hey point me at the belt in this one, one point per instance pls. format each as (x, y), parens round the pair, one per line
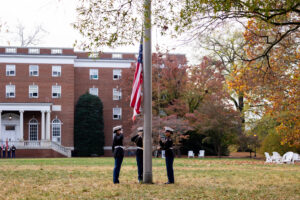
(140, 148)
(119, 147)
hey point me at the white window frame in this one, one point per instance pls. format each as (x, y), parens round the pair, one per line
(33, 123)
(94, 74)
(117, 74)
(10, 91)
(117, 94)
(33, 51)
(56, 91)
(56, 51)
(117, 56)
(117, 113)
(33, 70)
(10, 50)
(10, 70)
(33, 91)
(56, 70)
(93, 91)
(94, 55)
(56, 130)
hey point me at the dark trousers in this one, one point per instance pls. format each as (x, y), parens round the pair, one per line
(8, 154)
(118, 163)
(4, 154)
(139, 162)
(170, 171)
(13, 154)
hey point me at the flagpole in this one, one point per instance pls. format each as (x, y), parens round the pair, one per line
(147, 59)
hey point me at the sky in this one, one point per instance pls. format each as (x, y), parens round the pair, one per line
(56, 16)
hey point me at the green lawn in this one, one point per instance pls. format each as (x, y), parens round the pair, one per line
(91, 178)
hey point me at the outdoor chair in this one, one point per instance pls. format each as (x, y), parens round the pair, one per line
(287, 157)
(296, 158)
(268, 158)
(190, 154)
(276, 157)
(201, 153)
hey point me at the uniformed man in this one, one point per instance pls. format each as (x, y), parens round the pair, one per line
(4, 151)
(0, 151)
(167, 145)
(138, 140)
(13, 151)
(118, 151)
(8, 151)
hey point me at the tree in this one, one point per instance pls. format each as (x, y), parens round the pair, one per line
(272, 84)
(116, 23)
(89, 126)
(25, 39)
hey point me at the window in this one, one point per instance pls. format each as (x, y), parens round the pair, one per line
(33, 129)
(117, 55)
(56, 51)
(33, 70)
(10, 50)
(94, 91)
(56, 130)
(10, 70)
(117, 94)
(33, 91)
(117, 73)
(34, 51)
(93, 74)
(10, 91)
(56, 91)
(10, 128)
(117, 113)
(56, 70)
(93, 55)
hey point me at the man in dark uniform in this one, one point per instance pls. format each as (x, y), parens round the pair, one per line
(0, 151)
(8, 151)
(4, 151)
(13, 151)
(118, 151)
(138, 140)
(167, 145)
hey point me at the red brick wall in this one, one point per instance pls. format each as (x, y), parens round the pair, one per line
(37, 153)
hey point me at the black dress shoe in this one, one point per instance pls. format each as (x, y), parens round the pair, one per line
(169, 183)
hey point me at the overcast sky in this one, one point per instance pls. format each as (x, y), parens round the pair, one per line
(56, 16)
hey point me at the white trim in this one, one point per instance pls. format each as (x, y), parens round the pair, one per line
(25, 106)
(37, 59)
(103, 63)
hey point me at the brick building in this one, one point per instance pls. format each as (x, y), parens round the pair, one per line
(39, 88)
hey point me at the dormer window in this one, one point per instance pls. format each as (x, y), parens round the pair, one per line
(33, 51)
(56, 51)
(10, 50)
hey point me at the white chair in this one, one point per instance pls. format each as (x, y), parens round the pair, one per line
(287, 157)
(201, 153)
(163, 155)
(296, 158)
(276, 157)
(268, 158)
(190, 154)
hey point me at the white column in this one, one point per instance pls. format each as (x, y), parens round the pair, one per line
(0, 124)
(43, 136)
(22, 124)
(48, 125)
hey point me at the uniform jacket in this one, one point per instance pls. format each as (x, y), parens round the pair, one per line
(118, 141)
(167, 145)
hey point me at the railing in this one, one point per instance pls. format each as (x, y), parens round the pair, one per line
(40, 144)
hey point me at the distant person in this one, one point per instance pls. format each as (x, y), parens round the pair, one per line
(13, 151)
(166, 144)
(8, 151)
(4, 151)
(118, 151)
(1, 150)
(138, 140)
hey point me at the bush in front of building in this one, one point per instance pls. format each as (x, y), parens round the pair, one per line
(89, 126)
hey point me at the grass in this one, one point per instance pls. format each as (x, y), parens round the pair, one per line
(91, 178)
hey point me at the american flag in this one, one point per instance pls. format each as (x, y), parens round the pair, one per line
(135, 102)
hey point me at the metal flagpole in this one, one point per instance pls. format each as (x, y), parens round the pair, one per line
(147, 156)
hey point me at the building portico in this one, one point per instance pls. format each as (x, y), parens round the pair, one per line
(12, 124)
